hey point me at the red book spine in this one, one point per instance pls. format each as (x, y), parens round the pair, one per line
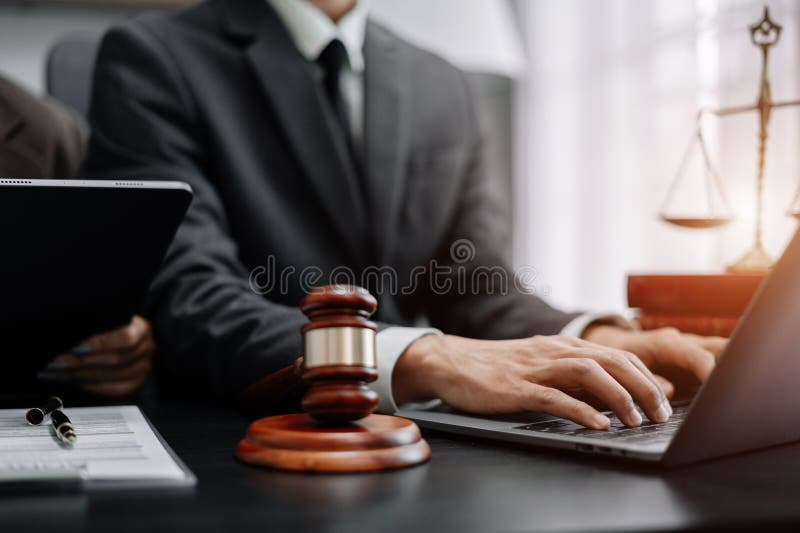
(720, 326)
(716, 295)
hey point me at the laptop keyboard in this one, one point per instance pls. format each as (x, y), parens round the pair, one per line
(648, 433)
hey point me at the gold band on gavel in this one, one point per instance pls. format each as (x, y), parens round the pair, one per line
(339, 346)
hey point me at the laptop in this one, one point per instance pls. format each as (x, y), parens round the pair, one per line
(77, 259)
(749, 401)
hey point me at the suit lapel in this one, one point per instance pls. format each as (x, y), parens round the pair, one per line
(290, 84)
(385, 135)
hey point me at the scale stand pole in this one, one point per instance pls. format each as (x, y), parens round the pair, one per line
(763, 34)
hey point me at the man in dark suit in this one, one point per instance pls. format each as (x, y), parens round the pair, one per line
(41, 140)
(320, 145)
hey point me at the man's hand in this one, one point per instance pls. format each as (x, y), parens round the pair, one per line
(553, 374)
(116, 363)
(663, 348)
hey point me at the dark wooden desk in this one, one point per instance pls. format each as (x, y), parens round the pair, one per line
(469, 486)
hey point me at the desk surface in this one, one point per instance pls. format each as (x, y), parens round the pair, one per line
(468, 486)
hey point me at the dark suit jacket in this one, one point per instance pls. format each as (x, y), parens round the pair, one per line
(218, 96)
(38, 139)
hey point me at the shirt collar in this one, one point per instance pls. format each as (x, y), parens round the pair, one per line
(312, 30)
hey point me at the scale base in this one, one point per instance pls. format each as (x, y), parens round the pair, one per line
(300, 443)
(756, 260)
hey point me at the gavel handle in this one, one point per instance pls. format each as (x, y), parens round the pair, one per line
(272, 388)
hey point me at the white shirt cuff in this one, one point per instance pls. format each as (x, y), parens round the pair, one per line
(579, 324)
(391, 344)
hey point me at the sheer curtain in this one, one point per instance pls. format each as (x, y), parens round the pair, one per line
(603, 117)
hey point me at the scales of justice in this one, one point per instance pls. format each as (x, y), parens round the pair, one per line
(764, 35)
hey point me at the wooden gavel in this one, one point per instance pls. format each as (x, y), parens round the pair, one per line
(337, 432)
(339, 353)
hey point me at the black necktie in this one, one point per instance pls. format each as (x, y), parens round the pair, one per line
(333, 60)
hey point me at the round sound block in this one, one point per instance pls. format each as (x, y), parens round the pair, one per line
(298, 442)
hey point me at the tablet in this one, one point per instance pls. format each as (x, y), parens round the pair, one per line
(76, 259)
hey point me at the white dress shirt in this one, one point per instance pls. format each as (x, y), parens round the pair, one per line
(312, 30)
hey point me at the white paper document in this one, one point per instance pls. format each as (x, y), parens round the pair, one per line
(114, 446)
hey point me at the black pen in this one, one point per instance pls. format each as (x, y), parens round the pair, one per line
(37, 415)
(65, 431)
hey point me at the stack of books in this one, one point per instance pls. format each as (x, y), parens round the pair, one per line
(705, 304)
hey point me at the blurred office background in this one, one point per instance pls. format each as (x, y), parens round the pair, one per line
(590, 105)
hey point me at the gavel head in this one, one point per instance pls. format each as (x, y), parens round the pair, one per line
(339, 353)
